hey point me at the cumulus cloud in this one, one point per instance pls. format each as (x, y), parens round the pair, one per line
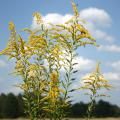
(96, 16)
(2, 63)
(98, 34)
(53, 18)
(80, 63)
(97, 19)
(114, 79)
(115, 65)
(15, 90)
(56, 18)
(110, 48)
(12, 89)
(112, 76)
(84, 63)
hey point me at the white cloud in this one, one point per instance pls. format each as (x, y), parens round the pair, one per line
(112, 76)
(56, 18)
(109, 48)
(102, 35)
(114, 79)
(12, 89)
(96, 16)
(84, 63)
(97, 19)
(80, 63)
(115, 65)
(53, 18)
(2, 63)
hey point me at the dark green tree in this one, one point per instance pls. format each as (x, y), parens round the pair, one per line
(20, 105)
(78, 109)
(10, 109)
(2, 104)
(105, 109)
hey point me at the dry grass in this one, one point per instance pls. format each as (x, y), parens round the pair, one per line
(98, 119)
(73, 119)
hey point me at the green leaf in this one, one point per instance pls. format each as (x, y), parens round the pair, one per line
(72, 90)
(68, 85)
(73, 79)
(75, 71)
(68, 60)
(67, 75)
(75, 64)
(63, 84)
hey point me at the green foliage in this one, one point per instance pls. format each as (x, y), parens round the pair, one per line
(101, 109)
(2, 104)
(10, 106)
(20, 105)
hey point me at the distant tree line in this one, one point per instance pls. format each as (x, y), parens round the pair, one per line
(101, 109)
(11, 106)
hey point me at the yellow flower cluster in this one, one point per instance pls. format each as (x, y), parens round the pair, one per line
(56, 52)
(11, 26)
(32, 71)
(76, 13)
(37, 42)
(96, 80)
(83, 32)
(37, 17)
(19, 67)
(11, 48)
(54, 89)
(54, 78)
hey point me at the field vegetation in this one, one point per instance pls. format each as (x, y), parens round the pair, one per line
(39, 60)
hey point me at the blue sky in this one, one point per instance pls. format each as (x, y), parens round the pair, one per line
(103, 22)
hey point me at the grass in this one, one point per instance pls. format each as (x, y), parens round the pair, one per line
(72, 119)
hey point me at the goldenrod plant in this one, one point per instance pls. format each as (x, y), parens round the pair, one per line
(39, 60)
(93, 83)
(33, 74)
(71, 36)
